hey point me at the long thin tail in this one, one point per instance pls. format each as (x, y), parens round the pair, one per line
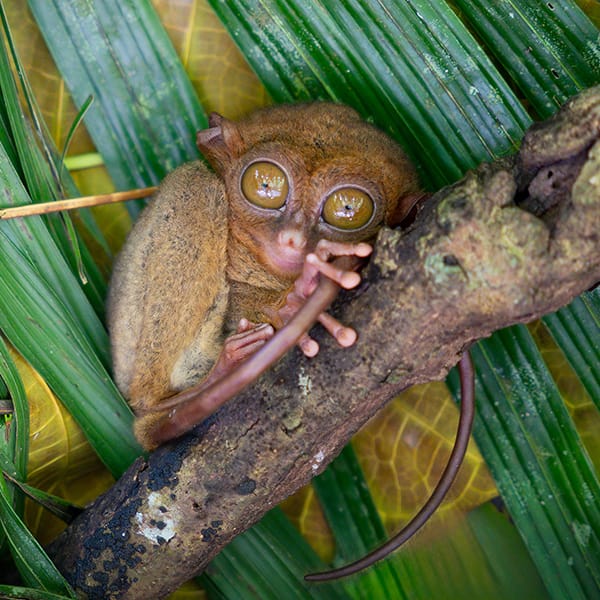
(463, 435)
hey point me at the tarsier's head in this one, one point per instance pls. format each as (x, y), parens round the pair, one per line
(296, 174)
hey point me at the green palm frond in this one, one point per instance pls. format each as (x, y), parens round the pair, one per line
(457, 84)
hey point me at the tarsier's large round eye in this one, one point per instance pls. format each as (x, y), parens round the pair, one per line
(348, 208)
(265, 184)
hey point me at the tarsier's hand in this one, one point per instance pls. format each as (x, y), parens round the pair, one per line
(315, 264)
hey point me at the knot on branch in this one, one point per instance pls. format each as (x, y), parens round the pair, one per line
(513, 240)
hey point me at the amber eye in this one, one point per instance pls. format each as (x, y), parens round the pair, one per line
(265, 185)
(348, 208)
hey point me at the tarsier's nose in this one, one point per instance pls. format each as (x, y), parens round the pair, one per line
(293, 239)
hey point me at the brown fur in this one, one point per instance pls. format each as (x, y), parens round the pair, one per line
(198, 259)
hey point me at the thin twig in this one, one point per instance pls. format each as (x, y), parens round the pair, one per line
(44, 208)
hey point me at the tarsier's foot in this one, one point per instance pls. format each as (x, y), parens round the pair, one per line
(248, 338)
(315, 264)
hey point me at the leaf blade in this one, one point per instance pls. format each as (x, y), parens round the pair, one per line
(540, 466)
(374, 60)
(34, 565)
(120, 43)
(549, 49)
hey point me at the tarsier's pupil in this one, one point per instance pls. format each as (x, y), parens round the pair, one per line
(350, 207)
(271, 187)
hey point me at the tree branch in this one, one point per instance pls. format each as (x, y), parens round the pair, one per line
(512, 241)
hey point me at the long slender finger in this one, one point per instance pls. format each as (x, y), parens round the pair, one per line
(345, 279)
(244, 351)
(294, 300)
(327, 249)
(308, 346)
(239, 347)
(246, 336)
(305, 285)
(344, 336)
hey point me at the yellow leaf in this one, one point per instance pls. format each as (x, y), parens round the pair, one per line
(188, 591)
(304, 510)
(404, 449)
(61, 461)
(49, 88)
(219, 72)
(592, 9)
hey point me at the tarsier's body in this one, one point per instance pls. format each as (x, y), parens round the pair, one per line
(215, 248)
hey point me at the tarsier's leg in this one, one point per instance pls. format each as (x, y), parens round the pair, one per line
(190, 407)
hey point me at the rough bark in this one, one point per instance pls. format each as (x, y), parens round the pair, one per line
(514, 240)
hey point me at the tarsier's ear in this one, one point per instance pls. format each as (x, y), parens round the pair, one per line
(220, 143)
(406, 209)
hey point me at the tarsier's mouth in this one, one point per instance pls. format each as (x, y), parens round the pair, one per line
(287, 259)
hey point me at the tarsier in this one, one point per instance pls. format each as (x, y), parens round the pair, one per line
(222, 259)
